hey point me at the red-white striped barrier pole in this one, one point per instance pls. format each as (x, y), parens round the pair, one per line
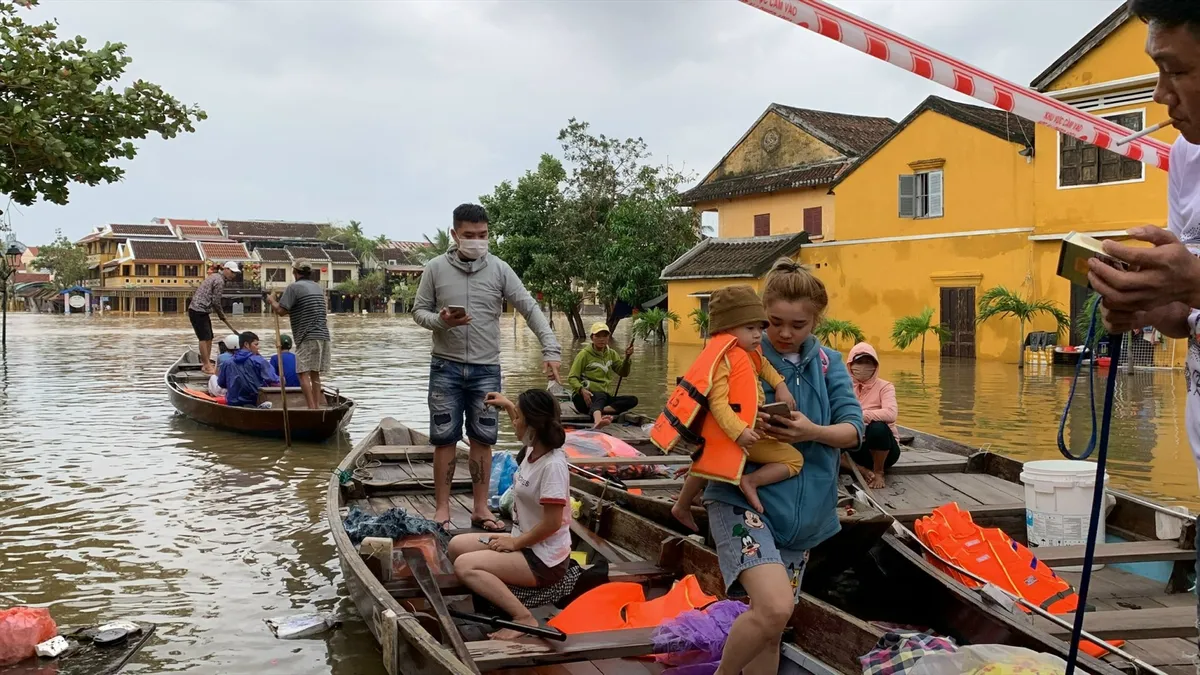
(883, 44)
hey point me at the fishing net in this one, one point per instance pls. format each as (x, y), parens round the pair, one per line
(395, 524)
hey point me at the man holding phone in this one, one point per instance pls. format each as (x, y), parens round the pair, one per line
(460, 299)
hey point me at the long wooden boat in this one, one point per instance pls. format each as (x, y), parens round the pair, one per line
(1141, 595)
(187, 387)
(390, 468)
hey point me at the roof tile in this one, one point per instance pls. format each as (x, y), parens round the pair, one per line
(341, 256)
(141, 230)
(272, 255)
(152, 249)
(306, 253)
(856, 133)
(222, 251)
(271, 229)
(747, 257)
(809, 175)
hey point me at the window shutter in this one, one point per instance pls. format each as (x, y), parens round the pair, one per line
(1068, 160)
(762, 225)
(908, 190)
(935, 195)
(812, 221)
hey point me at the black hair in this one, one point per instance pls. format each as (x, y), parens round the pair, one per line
(542, 415)
(469, 213)
(221, 348)
(1170, 13)
(246, 338)
(302, 274)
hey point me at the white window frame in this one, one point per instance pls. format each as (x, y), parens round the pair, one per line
(920, 200)
(1058, 155)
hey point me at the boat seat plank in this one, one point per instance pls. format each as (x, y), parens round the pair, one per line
(921, 454)
(638, 572)
(397, 478)
(648, 483)
(652, 460)
(984, 515)
(598, 543)
(493, 654)
(921, 491)
(1111, 582)
(1134, 624)
(926, 466)
(401, 453)
(626, 667)
(1161, 652)
(980, 487)
(1124, 552)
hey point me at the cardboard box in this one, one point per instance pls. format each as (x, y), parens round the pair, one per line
(1073, 258)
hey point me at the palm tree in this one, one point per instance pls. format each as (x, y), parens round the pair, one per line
(436, 246)
(833, 331)
(1085, 316)
(650, 322)
(908, 329)
(1001, 302)
(700, 321)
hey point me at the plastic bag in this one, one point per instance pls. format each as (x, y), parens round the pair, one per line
(301, 625)
(586, 443)
(506, 503)
(989, 660)
(21, 630)
(504, 467)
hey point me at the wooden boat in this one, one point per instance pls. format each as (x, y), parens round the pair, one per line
(84, 657)
(187, 386)
(390, 468)
(1141, 595)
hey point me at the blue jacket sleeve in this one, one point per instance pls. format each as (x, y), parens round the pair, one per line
(223, 376)
(270, 377)
(843, 404)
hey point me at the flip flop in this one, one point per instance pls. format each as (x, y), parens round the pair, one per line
(445, 525)
(480, 523)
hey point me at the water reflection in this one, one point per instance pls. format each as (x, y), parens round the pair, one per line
(112, 505)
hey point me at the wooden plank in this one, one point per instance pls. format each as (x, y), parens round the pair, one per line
(429, 587)
(978, 487)
(621, 667)
(1133, 624)
(977, 512)
(638, 572)
(392, 478)
(902, 468)
(493, 654)
(654, 483)
(1163, 651)
(598, 543)
(401, 453)
(1126, 552)
(652, 460)
(815, 623)
(379, 505)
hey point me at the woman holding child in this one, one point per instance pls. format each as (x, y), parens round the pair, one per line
(763, 555)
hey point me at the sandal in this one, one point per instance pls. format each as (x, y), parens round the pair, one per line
(445, 525)
(482, 524)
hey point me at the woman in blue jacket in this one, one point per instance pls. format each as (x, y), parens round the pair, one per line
(764, 555)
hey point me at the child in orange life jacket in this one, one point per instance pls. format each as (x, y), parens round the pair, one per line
(738, 311)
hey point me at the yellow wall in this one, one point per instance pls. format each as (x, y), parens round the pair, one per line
(986, 184)
(795, 148)
(116, 278)
(736, 216)
(1121, 55)
(679, 302)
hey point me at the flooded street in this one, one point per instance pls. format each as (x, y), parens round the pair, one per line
(112, 506)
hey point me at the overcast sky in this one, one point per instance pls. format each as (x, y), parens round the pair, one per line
(393, 112)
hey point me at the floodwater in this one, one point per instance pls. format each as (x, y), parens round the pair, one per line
(112, 506)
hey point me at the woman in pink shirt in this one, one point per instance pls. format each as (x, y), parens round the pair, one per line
(880, 447)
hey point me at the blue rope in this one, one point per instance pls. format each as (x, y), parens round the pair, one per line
(1062, 423)
(1098, 490)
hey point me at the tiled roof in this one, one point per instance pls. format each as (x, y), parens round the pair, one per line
(141, 230)
(341, 256)
(224, 250)
(306, 253)
(201, 232)
(748, 257)
(406, 245)
(852, 134)
(28, 277)
(400, 255)
(809, 175)
(91, 236)
(271, 229)
(184, 222)
(1077, 51)
(272, 255)
(152, 249)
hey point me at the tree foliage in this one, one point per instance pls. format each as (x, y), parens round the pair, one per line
(1001, 302)
(1085, 317)
(439, 244)
(908, 329)
(653, 323)
(601, 217)
(353, 238)
(64, 260)
(700, 321)
(832, 332)
(61, 121)
(371, 286)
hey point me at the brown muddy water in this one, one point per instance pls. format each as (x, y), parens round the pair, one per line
(112, 506)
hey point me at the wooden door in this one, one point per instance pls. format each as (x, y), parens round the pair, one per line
(1079, 323)
(958, 317)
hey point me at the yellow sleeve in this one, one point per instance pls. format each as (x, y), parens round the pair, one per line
(770, 375)
(718, 403)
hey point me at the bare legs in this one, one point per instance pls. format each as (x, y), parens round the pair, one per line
(310, 384)
(682, 510)
(753, 644)
(488, 573)
(480, 465)
(206, 361)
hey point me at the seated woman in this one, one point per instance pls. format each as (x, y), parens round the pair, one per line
(593, 377)
(880, 447)
(536, 554)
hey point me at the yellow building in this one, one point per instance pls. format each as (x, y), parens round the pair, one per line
(151, 275)
(954, 200)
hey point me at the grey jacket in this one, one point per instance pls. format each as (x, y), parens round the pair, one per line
(481, 286)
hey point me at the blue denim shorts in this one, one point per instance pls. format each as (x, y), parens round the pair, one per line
(457, 391)
(743, 541)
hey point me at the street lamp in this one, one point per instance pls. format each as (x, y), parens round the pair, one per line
(12, 260)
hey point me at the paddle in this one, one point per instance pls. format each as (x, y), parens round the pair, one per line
(494, 622)
(287, 426)
(429, 588)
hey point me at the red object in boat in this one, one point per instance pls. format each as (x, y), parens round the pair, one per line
(1103, 361)
(1070, 349)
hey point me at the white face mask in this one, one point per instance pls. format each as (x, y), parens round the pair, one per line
(472, 249)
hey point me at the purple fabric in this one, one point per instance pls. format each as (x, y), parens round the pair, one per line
(697, 637)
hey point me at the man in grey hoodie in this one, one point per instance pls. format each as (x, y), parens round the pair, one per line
(465, 364)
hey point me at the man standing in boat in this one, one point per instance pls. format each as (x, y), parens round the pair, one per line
(205, 301)
(1163, 287)
(460, 299)
(304, 302)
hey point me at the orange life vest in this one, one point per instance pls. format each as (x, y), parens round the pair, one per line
(684, 417)
(991, 554)
(618, 605)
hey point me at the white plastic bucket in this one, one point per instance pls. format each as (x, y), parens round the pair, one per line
(1058, 504)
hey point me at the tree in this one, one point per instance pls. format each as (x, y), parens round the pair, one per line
(652, 323)
(1001, 302)
(908, 329)
(833, 331)
(353, 238)
(1085, 317)
(406, 293)
(60, 119)
(434, 247)
(372, 286)
(700, 321)
(66, 261)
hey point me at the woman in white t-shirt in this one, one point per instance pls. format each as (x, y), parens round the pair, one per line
(537, 551)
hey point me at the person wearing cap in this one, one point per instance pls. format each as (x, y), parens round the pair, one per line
(303, 302)
(880, 447)
(205, 301)
(289, 362)
(593, 377)
(738, 311)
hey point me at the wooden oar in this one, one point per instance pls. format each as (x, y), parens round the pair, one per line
(287, 425)
(494, 622)
(428, 585)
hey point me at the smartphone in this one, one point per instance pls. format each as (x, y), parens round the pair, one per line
(457, 310)
(485, 540)
(773, 409)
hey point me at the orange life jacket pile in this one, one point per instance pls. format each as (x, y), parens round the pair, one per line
(619, 605)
